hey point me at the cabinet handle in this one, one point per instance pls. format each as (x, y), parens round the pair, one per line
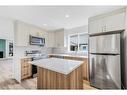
(25, 66)
(105, 28)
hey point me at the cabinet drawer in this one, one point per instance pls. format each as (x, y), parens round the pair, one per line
(25, 68)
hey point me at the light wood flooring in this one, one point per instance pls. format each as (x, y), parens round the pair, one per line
(7, 82)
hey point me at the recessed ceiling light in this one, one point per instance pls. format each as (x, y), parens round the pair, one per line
(67, 15)
(45, 24)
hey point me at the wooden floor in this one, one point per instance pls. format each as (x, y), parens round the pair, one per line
(7, 82)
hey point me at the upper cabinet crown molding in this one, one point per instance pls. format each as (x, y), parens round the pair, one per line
(101, 16)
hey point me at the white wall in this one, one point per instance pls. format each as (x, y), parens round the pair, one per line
(6, 29)
(82, 29)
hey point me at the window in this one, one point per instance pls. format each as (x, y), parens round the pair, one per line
(78, 42)
(74, 43)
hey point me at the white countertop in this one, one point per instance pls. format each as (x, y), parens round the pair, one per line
(68, 55)
(81, 56)
(63, 66)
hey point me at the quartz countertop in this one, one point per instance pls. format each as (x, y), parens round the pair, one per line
(25, 57)
(63, 66)
(67, 55)
(71, 55)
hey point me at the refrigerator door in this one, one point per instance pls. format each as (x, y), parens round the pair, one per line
(105, 71)
(105, 44)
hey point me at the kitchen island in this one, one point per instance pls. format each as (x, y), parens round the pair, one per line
(55, 73)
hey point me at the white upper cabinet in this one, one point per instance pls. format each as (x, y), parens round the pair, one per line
(34, 31)
(6, 29)
(51, 39)
(115, 22)
(59, 38)
(96, 26)
(56, 38)
(107, 22)
(23, 30)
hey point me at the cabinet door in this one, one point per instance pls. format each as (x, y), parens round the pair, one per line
(25, 68)
(59, 39)
(22, 34)
(33, 31)
(96, 26)
(51, 39)
(115, 22)
(85, 69)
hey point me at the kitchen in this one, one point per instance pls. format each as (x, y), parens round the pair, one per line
(61, 58)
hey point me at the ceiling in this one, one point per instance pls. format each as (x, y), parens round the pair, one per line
(53, 17)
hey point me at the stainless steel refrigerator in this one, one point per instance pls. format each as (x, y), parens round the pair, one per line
(104, 61)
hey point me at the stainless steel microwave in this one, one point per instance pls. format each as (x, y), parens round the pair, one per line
(37, 40)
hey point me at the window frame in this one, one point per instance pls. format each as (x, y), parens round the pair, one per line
(77, 34)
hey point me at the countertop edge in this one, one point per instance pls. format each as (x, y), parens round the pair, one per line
(65, 73)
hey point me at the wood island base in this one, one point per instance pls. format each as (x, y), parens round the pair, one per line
(47, 79)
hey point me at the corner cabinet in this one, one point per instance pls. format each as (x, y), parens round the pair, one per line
(56, 38)
(111, 21)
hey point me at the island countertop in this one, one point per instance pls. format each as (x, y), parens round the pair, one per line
(63, 66)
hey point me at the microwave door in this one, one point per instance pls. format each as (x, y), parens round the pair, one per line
(37, 40)
(105, 44)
